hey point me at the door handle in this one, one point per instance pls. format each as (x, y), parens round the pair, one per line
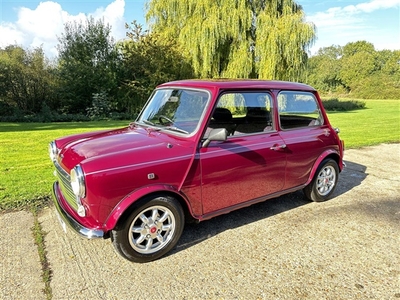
(278, 147)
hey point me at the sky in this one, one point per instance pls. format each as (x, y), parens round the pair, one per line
(31, 23)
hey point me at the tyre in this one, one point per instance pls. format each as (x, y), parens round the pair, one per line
(324, 182)
(151, 230)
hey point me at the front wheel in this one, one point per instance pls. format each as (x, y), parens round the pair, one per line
(150, 231)
(324, 181)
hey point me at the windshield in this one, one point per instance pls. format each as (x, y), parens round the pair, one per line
(177, 110)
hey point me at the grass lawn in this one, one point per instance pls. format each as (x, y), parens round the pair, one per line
(378, 123)
(26, 173)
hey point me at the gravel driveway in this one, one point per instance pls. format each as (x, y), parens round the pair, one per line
(285, 248)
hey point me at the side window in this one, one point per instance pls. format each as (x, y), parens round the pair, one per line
(298, 109)
(243, 113)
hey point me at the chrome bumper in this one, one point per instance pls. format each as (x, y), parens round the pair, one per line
(70, 221)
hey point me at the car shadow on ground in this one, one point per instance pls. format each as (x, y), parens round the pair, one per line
(197, 233)
(352, 176)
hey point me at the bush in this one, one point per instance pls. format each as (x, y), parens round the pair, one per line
(54, 117)
(334, 104)
(45, 115)
(100, 108)
(121, 116)
(70, 118)
(6, 109)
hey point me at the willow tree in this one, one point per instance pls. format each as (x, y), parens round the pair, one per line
(237, 38)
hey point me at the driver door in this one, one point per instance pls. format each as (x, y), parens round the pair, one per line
(250, 164)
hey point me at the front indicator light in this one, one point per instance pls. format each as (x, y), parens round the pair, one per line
(81, 210)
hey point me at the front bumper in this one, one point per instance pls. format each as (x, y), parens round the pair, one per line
(66, 218)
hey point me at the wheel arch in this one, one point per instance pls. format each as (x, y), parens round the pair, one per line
(125, 207)
(327, 154)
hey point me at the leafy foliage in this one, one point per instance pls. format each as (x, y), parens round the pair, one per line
(323, 70)
(334, 104)
(27, 81)
(96, 78)
(147, 61)
(257, 39)
(356, 69)
(88, 62)
(100, 108)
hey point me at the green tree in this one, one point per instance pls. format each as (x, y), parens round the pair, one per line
(240, 38)
(87, 63)
(147, 61)
(323, 70)
(359, 61)
(100, 108)
(384, 81)
(357, 69)
(389, 64)
(27, 80)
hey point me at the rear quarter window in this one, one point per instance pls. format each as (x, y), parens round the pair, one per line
(298, 109)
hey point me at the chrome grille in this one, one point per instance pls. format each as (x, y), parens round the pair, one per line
(65, 185)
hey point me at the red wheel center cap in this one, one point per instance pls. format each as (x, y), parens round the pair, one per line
(153, 229)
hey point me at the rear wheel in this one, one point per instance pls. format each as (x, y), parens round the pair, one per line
(151, 230)
(324, 182)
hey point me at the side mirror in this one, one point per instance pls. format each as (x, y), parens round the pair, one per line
(217, 134)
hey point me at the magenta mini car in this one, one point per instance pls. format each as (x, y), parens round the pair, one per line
(198, 149)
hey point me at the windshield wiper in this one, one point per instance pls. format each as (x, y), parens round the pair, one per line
(173, 128)
(153, 127)
(148, 122)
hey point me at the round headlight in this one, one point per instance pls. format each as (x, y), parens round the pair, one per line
(53, 151)
(78, 181)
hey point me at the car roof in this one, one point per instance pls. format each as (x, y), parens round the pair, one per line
(237, 84)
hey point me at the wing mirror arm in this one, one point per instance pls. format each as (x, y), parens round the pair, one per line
(217, 134)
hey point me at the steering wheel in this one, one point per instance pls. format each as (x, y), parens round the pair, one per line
(162, 117)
